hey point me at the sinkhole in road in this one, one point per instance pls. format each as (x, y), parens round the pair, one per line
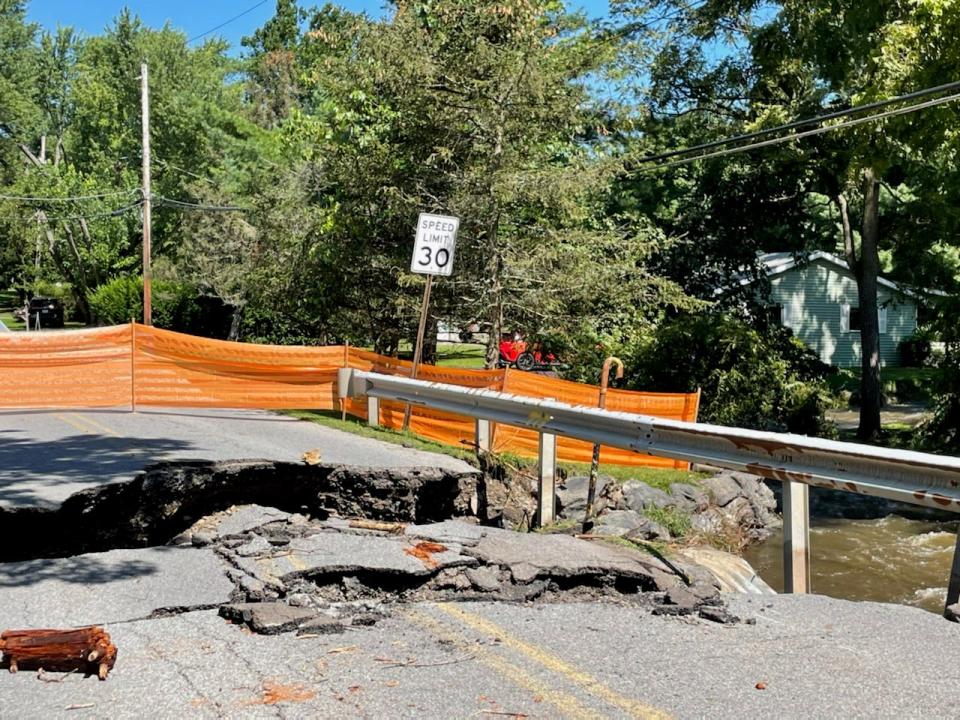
(302, 544)
(166, 498)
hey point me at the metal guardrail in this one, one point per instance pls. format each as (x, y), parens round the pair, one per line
(907, 476)
(797, 461)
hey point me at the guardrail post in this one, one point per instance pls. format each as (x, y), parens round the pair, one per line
(796, 537)
(953, 589)
(373, 411)
(482, 436)
(547, 480)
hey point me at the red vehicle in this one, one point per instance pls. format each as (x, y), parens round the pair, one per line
(516, 352)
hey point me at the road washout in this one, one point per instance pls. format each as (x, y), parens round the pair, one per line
(318, 548)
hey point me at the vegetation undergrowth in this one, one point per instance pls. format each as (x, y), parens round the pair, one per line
(676, 521)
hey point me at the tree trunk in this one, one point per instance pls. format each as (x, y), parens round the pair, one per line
(495, 262)
(235, 320)
(495, 318)
(866, 272)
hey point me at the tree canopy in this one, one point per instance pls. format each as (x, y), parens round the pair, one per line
(287, 182)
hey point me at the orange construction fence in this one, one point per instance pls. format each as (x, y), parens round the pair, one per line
(139, 366)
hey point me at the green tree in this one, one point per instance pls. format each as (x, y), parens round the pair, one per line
(802, 59)
(485, 112)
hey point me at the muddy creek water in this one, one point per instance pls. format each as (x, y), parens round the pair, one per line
(889, 559)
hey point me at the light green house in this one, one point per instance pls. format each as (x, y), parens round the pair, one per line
(816, 297)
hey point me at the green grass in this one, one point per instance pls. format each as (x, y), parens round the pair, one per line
(902, 383)
(331, 419)
(674, 520)
(463, 355)
(10, 321)
(661, 478)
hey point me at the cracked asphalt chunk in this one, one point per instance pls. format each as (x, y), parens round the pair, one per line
(332, 553)
(110, 587)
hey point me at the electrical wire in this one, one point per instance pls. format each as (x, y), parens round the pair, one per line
(29, 198)
(800, 123)
(177, 169)
(809, 133)
(227, 22)
(111, 213)
(161, 201)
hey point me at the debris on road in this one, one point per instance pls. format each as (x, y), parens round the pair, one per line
(311, 457)
(394, 528)
(88, 649)
(424, 551)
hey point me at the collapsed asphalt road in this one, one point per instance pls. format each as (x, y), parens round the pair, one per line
(349, 621)
(47, 456)
(360, 596)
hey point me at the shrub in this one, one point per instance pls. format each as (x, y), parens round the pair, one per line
(915, 350)
(59, 290)
(942, 432)
(767, 381)
(174, 305)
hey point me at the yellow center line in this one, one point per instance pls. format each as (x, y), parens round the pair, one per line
(72, 423)
(96, 425)
(592, 685)
(567, 705)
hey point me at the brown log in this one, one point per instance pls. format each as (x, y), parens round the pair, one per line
(394, 528)
(87, 649)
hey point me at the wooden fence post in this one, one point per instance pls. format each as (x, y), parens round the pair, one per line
(133, 365)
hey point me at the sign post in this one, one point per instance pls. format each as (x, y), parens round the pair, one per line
(432, 255)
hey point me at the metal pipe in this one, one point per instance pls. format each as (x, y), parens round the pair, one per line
(595, 463)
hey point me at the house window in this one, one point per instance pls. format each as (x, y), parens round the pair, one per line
(851, 319)
(775, 314)
(856, 320)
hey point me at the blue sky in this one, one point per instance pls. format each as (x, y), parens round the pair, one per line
(197, 16)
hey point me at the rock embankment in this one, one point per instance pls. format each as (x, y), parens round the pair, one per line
(736, 508)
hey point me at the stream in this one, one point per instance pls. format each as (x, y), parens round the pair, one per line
(888, 559)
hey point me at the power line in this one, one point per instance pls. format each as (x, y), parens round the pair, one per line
(227, 22)
(29, 198)
(800, 123)
(170, 166)
(809, 133)
(111, 213)
(198, 206)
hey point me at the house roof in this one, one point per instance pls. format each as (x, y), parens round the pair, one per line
(776, 263)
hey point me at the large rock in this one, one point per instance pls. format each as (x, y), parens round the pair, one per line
(573, 494)
(618, 523)
(722, 489)
(688, 498)
(649, 530)
(638, 496)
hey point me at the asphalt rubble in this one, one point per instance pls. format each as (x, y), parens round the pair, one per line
(319, 549)
(293, 573)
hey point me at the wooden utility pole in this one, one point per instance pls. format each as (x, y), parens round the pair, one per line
(145, 118)
(418, 348)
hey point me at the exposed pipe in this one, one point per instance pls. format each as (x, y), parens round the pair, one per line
(595, 464)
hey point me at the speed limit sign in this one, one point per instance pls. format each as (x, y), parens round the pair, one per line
(436, 242)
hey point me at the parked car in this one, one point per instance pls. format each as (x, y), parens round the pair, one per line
(49, 312)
